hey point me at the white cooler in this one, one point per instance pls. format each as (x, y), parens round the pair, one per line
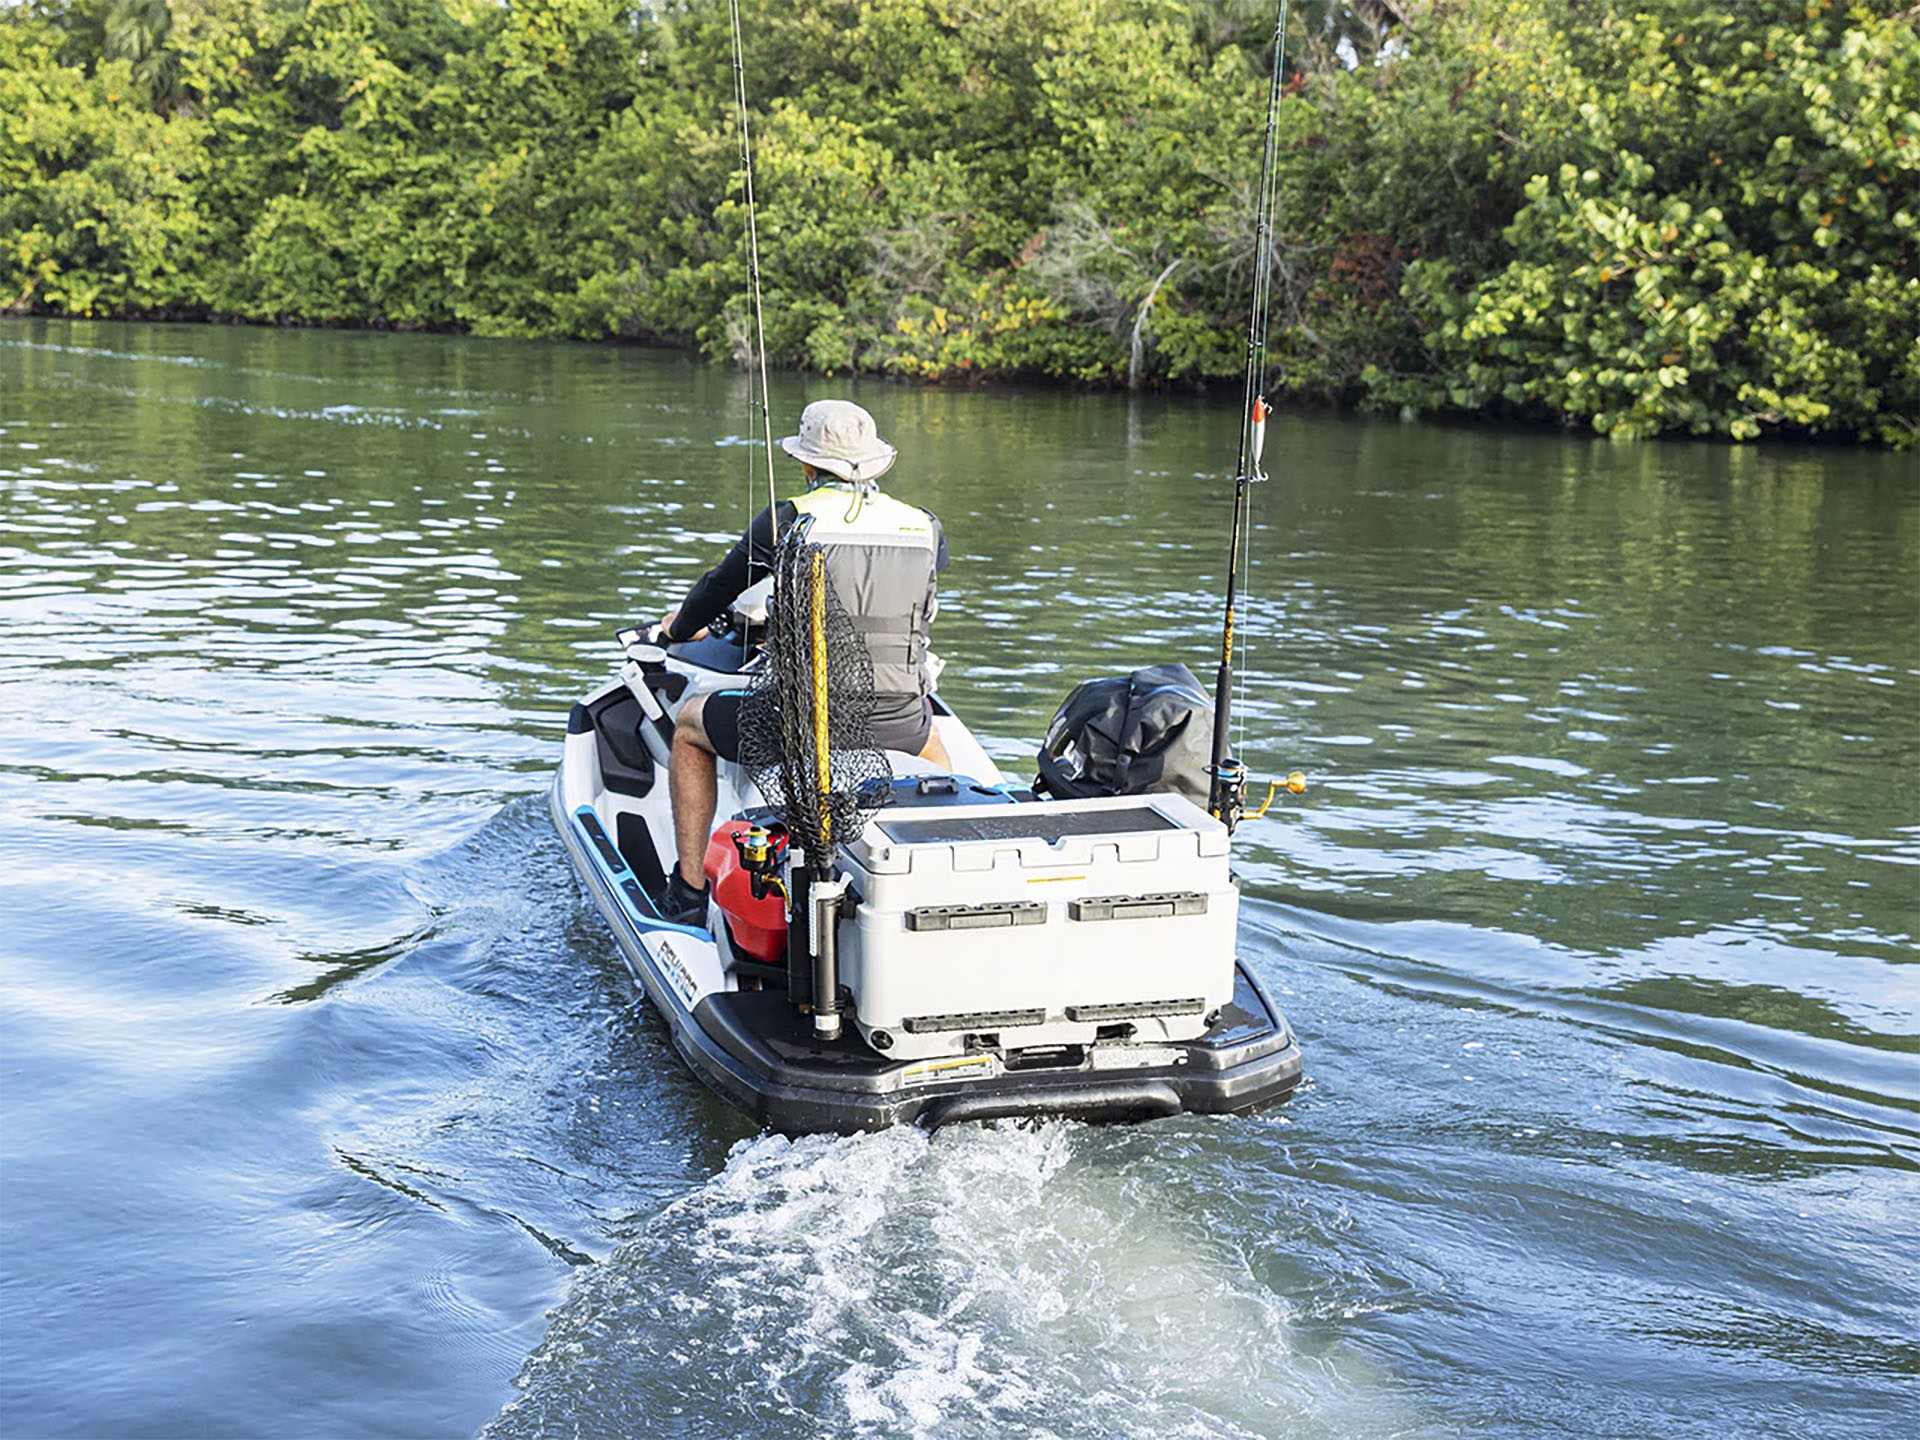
(1039, 924)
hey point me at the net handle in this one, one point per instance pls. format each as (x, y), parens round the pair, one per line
(823, 775)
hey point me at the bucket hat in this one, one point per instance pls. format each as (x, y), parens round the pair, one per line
(839, 437)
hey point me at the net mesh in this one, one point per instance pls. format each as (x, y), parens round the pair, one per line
(806, 726)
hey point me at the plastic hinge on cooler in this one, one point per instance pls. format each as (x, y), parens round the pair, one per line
(1138, 907)
(994, 915)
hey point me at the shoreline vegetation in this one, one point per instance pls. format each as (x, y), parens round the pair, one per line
(1634, 217)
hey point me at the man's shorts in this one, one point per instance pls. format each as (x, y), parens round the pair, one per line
(902, 722)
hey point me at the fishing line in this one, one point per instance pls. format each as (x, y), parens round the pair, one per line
(753, 275)
(1270, 170)
(1243, 679)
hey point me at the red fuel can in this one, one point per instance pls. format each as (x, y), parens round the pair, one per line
(758, 924)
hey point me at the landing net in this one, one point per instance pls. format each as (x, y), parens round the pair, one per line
(806, 727)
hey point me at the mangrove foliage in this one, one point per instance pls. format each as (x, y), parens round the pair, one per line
(1643, 216)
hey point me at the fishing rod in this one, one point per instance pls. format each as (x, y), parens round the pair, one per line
(798, 632)
(1226, 796)
(753, 275)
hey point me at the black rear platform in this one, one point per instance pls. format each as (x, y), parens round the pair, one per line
(756, 1050)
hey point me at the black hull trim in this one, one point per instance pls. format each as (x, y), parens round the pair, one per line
(767, 1065)
(757, 1052)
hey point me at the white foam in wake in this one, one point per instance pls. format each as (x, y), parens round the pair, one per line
(1010, 1280)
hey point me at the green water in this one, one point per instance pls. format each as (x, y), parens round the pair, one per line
(330, 1108)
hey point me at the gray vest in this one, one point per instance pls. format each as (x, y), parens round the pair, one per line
(881, 555)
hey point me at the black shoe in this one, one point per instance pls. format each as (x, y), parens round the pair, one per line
(680, 904)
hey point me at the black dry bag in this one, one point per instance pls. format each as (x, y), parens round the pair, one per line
(1130, 734)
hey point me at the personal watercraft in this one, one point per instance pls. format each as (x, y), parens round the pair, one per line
(982, 949)
(898, 942)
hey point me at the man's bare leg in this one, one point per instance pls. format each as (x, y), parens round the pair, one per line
(936, 750)
(693, 784)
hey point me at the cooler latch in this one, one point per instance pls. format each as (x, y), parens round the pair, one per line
(1138, 907)
(993, 915)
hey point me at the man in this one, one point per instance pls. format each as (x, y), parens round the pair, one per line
(882, 557)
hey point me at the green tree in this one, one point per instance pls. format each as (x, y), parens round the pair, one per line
(98, 207)
(1718, 233)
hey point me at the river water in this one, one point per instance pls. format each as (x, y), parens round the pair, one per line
(331, 1110)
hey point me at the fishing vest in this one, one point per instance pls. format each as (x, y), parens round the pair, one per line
(881, 555)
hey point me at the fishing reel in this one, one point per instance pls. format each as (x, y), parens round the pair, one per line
(762, 852)
(1228, 802)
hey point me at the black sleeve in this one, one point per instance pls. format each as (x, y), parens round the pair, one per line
(941, 559)
(750, 558)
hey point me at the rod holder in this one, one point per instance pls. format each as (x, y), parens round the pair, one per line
(825, 899)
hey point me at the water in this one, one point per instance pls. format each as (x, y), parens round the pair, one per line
(330, 1108)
